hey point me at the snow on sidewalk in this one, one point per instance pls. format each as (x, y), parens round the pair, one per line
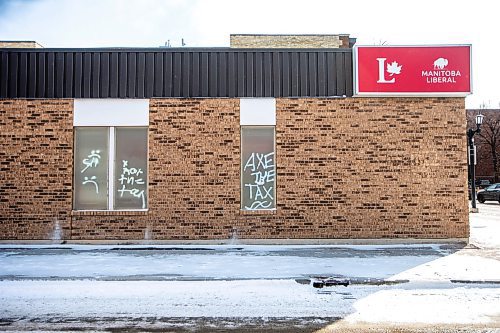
(464, 266)
(452, 303)
(479, 262)
(215, 263)
(40, 286)
(485, 226)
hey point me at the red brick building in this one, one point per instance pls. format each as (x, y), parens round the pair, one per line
(487, 144)
(205, 144)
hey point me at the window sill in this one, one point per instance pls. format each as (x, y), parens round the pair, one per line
(259, 212)
(109, 212)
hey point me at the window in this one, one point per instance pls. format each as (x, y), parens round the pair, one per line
(258, 168)
(118, 154)
(131, 168)
(110, 154)
(91, 168)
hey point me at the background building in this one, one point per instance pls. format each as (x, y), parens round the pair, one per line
(487, 144)
(20, 44)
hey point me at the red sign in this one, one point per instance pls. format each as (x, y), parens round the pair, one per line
(412, 70)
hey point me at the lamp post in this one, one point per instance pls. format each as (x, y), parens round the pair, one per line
(472, 157)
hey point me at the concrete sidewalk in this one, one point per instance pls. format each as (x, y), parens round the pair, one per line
(189, 263)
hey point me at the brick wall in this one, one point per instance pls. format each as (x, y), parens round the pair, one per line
(193, 175)
(347, 168)
(35, 168)
(289, 41)
(376, 168)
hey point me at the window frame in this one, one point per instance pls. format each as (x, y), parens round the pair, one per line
(111, 137)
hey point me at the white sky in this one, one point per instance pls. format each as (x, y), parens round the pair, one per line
(208, 23)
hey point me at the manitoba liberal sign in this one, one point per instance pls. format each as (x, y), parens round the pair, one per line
(412, 70)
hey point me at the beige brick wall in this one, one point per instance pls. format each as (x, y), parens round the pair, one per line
(20, 44)
(347, 168)
(289, 41)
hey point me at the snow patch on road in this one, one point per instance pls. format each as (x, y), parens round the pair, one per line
(463, 305)
(458, 266)
(250, 298)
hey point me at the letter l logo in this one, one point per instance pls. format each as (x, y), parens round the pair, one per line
(381, 72)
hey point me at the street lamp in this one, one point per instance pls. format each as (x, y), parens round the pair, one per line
(472, 157)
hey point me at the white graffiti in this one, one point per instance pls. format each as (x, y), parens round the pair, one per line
(260, 192)
(259, 205)
(92, 160)
(91, 180)
(129, 177)
(263, 177)
(256, 160)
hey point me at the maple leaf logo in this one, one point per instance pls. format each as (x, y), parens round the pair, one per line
(393, 68)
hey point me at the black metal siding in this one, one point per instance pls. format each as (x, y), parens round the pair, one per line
(145, 73)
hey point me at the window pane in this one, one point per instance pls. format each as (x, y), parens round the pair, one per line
(258, 171)
(131, 168)
(91, 168)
